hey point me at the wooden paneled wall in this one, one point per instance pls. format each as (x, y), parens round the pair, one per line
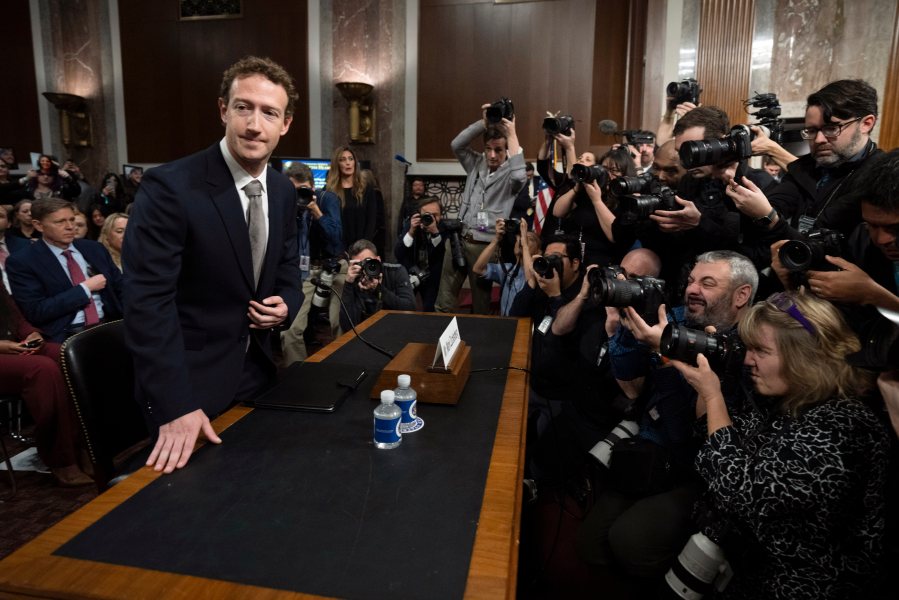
(166, 61)
(889, 109)
(724, 54)
(20, 126)
(618, 68)
(540, 54)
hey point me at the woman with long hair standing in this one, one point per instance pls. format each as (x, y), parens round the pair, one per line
(358, 205)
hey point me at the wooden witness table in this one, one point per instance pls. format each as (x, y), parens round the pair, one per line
(35, 571)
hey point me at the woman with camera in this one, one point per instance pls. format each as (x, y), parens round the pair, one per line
(796, 481)
(586, 209)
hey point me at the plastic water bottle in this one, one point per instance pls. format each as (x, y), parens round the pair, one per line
(387, 422)
(406, 399)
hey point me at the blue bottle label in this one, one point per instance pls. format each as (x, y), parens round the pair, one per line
(387, 431)
(408, 408)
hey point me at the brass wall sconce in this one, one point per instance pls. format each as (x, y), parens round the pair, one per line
(74, 120)
(362, 111)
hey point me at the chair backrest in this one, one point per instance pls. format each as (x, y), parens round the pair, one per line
(99, 373)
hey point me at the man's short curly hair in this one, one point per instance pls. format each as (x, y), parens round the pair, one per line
(254, 65)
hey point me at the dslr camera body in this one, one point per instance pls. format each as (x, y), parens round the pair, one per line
(653, 196)
(499, 110)
(643, 294)
(799, 256)
(371, 268)
(304, 197)
(734, 147)
(721, 349)
(584, 174)
(686, 90)
(545, 266)
(554, 125)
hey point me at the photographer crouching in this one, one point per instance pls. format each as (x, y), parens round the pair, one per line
(421, 247)
(372, 285)
(642, 520)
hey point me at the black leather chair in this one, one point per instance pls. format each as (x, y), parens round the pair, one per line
(100, 376)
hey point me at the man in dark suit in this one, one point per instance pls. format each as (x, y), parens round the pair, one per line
(211, 266)
(61, 284)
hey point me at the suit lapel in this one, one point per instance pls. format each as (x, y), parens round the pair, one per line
(51, 266)
(227, 203)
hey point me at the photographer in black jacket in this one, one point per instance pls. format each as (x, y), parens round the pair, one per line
(420, 248)
(372, 285)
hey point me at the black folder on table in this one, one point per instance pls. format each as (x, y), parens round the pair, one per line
(313, 386)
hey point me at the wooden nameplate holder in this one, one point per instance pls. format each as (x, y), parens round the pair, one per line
(433, 385)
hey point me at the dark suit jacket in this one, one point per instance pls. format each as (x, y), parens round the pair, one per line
(189, 282)
(45, 294)
(15, 243)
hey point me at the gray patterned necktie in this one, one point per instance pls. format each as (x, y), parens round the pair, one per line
(256, 225)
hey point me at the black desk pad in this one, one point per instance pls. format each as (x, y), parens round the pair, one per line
(305, 502)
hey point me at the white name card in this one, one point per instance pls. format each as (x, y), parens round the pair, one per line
(450, 340)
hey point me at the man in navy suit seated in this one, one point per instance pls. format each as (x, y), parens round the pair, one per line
(63, 285)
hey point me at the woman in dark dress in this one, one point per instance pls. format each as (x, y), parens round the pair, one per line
(29, 367)
(358, 205)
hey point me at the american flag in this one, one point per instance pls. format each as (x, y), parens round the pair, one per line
(544, 198)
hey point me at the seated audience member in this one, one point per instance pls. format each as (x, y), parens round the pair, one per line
(60, 284)
(642, 520)
(80, 225)
(49, 181)
(112, 235)
(10, 190)
(372, 285)
(29, 367)
(111, 198)
(511, 277)
(9, 159)
(95, 222)
(319, 246)
(796, 481)
(411, 204)
(8, 245)
(22, 225)
(420, 248)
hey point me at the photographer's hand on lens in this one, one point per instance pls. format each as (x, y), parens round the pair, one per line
(702, 379)
(850, 285)
(748, 198)
(369, 283)
(414, 223)
(677, 220)
(566, 141)
(594, 192)
(500, 229)
(314, 209)
(783, 274)
(649, 335)
(353, 271)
